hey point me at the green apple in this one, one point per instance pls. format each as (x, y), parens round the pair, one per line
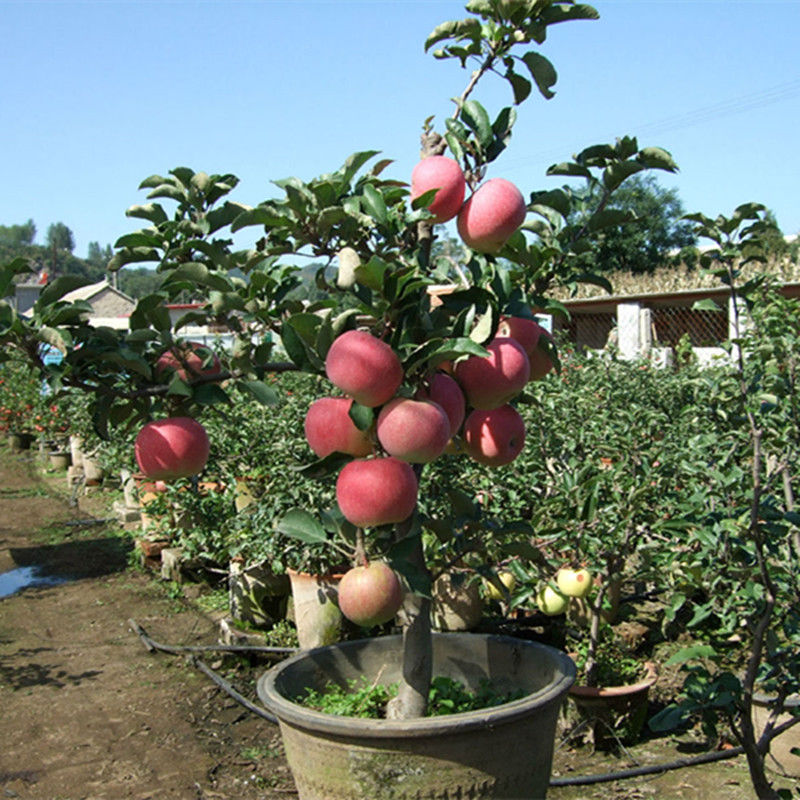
(507, 579)
(574, 582)
(551, 602)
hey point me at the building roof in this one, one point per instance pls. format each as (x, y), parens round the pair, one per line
(88, 292)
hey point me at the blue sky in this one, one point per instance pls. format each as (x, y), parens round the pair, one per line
(97, 95)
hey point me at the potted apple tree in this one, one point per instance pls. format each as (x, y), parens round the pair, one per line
(409, 379)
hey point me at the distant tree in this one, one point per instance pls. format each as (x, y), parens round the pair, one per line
(646, 243)
(99, 256)
(59, 237)
(18, 235)
(138, 282)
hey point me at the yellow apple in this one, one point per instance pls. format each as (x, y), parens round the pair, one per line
(507, 579)
(574, 582)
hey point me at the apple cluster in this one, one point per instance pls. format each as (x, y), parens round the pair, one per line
(469, 403)
(489, 216)
(569, 583)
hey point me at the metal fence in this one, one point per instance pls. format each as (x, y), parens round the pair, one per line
(703, 328)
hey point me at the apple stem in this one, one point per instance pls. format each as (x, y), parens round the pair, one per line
(360, 556)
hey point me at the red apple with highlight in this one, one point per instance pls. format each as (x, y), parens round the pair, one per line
(491, 381)
(445, 175)
(414, 430)
(329, 429)
(370, 595)
(494, 437)
(377, 491)
(364, 368)
(489, 217)
(528, 333)
(176, 447)
(445, 391)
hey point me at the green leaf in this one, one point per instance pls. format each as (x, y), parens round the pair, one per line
(374, 204)
(543, 73)
(56, 289)
(691, 653)
(210, 394)
(616, 173)
(299, 524)
(569, 169)
(153, 212)
(667, 719)
(705, 305)
(469, 27)
(362, 416)
(264, 394)
(475, 116)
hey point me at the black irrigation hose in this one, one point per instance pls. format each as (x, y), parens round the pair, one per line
(653, 769)
(151, 644)
(578, 780)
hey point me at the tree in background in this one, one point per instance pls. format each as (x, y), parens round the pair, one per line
(99, 256)
(18, 235)
(643, 243)
(59, 237)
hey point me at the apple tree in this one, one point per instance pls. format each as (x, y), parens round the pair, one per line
(410, 361)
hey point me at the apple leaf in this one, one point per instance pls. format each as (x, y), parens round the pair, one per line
(299, 524)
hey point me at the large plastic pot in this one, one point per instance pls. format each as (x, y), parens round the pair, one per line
(500, 752)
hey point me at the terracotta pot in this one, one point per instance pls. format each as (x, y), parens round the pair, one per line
(615, 711)
(316, 612)
(500, 752)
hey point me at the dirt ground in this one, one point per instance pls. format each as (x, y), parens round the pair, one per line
(88, 713)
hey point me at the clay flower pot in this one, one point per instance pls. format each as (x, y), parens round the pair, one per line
(500, 752)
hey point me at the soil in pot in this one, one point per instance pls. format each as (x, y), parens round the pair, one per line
(501, 752)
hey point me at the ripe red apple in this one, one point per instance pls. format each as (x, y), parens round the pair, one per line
(176, 447)
(494, 437)
(445, 391)
(528, 333)
(574, 582)
(414, 430)
(487, 220)
(376, 491)
(444, 174)
(370, 595)
(490, 382)
(189, 360)
(329, 429)
(364, 367)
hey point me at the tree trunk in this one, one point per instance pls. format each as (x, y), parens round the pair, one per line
(415, 616)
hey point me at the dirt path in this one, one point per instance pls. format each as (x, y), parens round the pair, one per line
(87, 712)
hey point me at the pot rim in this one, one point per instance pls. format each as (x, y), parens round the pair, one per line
(299, 716)
(616, 691)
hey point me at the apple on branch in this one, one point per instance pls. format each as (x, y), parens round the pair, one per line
(364, 368)
(370, 594)
(176, 447)
(377, 491)
(491, 381)
(414, 430)
(444, 175)
(494, 437)
(329, 429)
(495, 211)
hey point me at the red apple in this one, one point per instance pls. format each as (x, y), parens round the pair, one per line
(370, 595)
(445, 391)
(490, 382)
(176, 447)
(329, 429)
(487, 220)
(444, 174)
(364, 367)
(413, 430)
(528, 333)
(494, 437)
(189, 360)
(376, 491)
